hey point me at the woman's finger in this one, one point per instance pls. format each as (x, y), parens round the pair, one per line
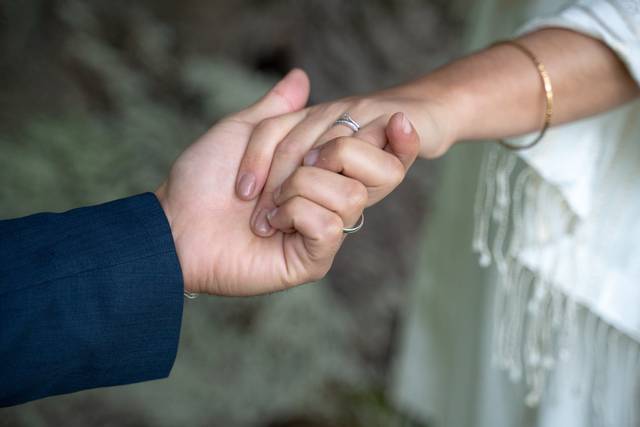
(287, 158)
(255, 164)
(378, 170)
(403, 139)
(343, 195)
(314, 239)
(374, 133)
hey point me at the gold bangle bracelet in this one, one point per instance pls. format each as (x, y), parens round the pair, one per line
(548, 92)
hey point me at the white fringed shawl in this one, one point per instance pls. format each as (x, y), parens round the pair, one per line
(563, 225)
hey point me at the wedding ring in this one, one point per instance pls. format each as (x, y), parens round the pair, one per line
(347, 121)
(355, 228)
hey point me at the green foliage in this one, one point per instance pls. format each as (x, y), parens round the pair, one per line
(63, 159)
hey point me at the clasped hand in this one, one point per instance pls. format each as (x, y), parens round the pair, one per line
(312, 178)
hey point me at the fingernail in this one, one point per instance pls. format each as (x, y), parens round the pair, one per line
(311, 157)
(246, 185)
(272, 213)
(406, 125)
(262, 225)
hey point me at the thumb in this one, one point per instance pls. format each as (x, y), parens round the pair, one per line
(288, 95)
(403, 140)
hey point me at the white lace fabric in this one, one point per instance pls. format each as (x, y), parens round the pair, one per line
(565, 224)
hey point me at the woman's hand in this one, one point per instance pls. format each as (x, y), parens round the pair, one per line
(278, 145)
(347, 174)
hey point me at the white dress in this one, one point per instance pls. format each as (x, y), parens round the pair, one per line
(550, 335)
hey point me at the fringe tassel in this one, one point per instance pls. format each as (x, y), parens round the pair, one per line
(482, 209)
(536, 325)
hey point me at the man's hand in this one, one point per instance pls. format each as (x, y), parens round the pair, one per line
(218, 252)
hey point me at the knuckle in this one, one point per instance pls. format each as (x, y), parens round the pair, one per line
(288, 148)
(340, 147)
(296, 181)
(292, 207)
(332, 226)
(287, 210)
(357, 194)
(342, 142)
(268, 126)
(396, 172)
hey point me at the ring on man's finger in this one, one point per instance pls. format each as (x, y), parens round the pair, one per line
(355, 228)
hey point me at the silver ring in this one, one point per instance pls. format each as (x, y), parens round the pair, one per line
(355, 228)
(190, 295)
(347, 121)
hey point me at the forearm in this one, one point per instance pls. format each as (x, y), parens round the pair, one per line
(88, 298)
(498, 92)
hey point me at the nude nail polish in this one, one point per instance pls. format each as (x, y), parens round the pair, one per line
(406, 125)
(262, 225)
(272, 213)
(246, 185)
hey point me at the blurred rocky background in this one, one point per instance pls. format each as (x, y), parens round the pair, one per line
(96, 100)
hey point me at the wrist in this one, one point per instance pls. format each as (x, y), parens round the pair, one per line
(161, 195)
(163, 199)
(441, 113)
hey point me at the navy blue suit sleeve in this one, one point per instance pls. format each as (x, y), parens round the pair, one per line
(88, 298)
